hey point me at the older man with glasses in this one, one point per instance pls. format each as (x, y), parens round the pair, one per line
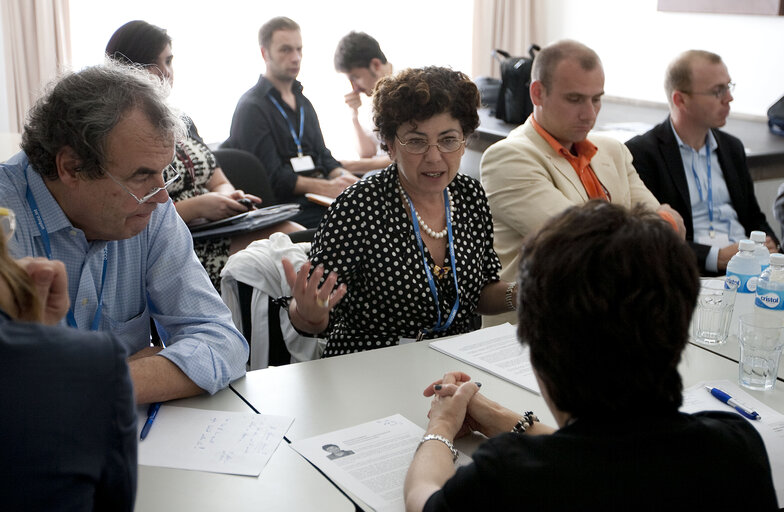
(88, 189)
(699, 170)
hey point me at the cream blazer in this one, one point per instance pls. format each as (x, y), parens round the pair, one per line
(527, 182)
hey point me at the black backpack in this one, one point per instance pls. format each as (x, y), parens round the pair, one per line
(514, 100)
(776, 117)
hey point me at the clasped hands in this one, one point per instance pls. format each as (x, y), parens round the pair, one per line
(50, 282)
(311, 303)
(458, 409)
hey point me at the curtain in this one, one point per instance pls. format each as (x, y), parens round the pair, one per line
(37, 43)
(503, 24)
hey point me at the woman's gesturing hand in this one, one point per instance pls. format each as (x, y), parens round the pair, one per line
(311, 304)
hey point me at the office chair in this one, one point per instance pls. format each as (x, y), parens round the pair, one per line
(246, 173)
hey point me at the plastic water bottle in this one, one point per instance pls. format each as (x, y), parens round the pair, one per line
(760, 250)
(744, 268)
(770, 288)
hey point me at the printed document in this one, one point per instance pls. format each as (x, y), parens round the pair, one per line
(770, 427)
(370, 460)
(235, 443)
(494, 350)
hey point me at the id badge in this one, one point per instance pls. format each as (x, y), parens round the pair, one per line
(302, 163)
(718, 240)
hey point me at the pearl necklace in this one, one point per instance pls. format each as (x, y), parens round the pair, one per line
(427, 229)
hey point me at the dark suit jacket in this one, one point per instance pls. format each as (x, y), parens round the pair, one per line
(657, 159)
(68, 422)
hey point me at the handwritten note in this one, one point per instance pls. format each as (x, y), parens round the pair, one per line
(236, 443)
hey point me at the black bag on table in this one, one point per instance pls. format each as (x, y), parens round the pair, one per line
(776, 118)
(514, 100)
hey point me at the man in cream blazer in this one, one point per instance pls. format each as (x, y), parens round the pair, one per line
(547, 164)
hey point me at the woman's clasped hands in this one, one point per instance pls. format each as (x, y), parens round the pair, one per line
(458, 404)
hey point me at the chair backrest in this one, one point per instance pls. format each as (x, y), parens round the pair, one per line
(279, 354)
(246, 172)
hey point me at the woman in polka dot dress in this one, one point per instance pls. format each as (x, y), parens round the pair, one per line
(410, 248)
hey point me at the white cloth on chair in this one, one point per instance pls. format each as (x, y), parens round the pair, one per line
(259, 265)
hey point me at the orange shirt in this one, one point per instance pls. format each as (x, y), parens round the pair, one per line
(581, 162)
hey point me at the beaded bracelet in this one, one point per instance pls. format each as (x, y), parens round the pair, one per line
(447, 442)
(525, 422)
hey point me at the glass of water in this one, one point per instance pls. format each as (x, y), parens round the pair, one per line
(761, 344)
(712, 315)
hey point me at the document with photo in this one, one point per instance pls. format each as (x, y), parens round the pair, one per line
(236, 443)
(369, 460)
(770, 425)
(494, 350)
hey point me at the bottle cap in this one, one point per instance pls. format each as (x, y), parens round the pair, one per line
(777, 259)
(746, 245)
(758, 236)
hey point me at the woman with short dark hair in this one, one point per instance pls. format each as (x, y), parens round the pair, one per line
(606, 296)
(413, 244)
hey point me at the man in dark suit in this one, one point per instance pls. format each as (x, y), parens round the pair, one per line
(699, 170)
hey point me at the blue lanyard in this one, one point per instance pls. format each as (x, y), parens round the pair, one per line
(438, 327)
(39, 220)
(710, 184)
(297, 140)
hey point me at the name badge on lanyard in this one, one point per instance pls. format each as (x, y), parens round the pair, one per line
(301, 162)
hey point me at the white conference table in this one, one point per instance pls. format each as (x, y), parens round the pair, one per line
(287, 482)
(340, 392)
(744, 303)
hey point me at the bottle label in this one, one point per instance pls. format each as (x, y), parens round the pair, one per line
(747, 283)
(769, 299)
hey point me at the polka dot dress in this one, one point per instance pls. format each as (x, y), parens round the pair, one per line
(368, 239)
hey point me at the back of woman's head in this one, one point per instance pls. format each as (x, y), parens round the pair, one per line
(137, 42)
(606, 296)
(418, 94)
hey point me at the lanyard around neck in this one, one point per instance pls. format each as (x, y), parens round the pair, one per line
(710, 183)
(39, 220)
(438, 327)
(297, 139)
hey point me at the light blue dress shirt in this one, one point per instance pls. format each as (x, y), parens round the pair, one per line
(725, 218)
(153, 274)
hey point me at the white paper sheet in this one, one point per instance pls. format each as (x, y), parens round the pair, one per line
(371, 459)
(494, 350)
(770, 427)
(235, 443)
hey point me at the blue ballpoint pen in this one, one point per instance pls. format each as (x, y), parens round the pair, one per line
(727, 399)
(152, 412)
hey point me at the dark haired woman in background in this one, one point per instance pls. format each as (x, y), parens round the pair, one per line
(203, 192)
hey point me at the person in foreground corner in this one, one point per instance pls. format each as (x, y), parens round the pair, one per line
(69, 422)
(549, 163)
(412, 245)
(606, 359)
(88, 189)
(688, 162)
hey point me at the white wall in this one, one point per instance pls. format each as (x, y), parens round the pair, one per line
(217, 57)
(636, 42)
